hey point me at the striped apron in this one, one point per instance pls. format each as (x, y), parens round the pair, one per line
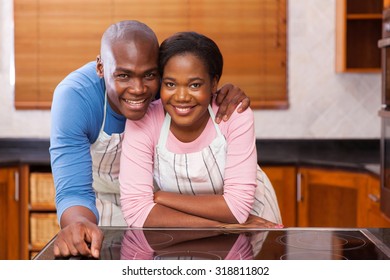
(105, 153)
(202, 172)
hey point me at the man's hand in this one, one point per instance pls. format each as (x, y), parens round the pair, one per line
(228, 98)
(79, 238)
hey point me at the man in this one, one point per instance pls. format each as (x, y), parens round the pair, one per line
(89, 110)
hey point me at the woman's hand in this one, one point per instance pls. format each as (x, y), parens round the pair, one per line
(228, 98)
(157, 195)
(253, 222)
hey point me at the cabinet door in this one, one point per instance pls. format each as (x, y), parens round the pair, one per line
(358, 29)
(375, 218)
(9, 214)
(283, 180)
(43, 225)
(331, 198)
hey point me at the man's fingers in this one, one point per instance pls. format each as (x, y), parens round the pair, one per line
(56, 251)
(230, 107)
(61, 249)
(221, 94)
(229, 98)
(75, 239)
(96, 243)
(245, 103)
(221, 114)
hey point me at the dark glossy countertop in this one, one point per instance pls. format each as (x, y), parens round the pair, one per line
(24, 151)
(239, 244)
(349, 154)
(352, 154)
(382, 234)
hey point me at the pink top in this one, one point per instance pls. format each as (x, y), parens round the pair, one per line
(136, 169)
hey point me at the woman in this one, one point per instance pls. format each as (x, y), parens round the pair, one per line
(178, 167)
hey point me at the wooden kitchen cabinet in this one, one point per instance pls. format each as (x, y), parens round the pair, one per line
(27, 212)
(327, 197)
(338, 198)
(41, 216)
(9, 213)
(283, 179)
(331, 198)
(358, 29)
(375, 218)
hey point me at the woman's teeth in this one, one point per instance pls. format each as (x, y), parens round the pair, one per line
(183, 110)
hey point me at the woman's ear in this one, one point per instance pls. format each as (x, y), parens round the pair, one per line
(99, 66)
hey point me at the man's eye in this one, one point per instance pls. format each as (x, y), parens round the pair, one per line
(150, 75)
(169, 84)
(122, 76)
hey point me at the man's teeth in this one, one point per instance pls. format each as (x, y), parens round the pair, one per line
(134, 102)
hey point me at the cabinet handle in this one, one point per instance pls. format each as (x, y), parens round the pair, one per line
(299, 189)
(16, 194)
(374, 197)
(386, 27)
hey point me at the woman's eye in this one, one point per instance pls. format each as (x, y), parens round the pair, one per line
(196, 85)
(170, 85)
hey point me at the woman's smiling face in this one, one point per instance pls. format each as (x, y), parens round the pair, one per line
(186, 92)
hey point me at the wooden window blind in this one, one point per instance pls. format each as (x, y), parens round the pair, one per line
(55, 37)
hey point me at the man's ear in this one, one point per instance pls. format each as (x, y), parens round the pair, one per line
(99, 66)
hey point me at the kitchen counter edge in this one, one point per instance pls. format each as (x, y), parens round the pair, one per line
(361, 155)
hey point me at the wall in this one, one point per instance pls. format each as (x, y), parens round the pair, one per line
(15, 124)
(323, 104)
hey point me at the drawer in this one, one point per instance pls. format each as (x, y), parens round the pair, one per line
(42, 191)
(43, 227)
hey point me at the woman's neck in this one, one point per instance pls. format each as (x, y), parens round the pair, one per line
(188, 134)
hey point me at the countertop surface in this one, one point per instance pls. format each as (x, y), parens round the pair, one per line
(359, 155)
(239, 244)
(24, 151)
